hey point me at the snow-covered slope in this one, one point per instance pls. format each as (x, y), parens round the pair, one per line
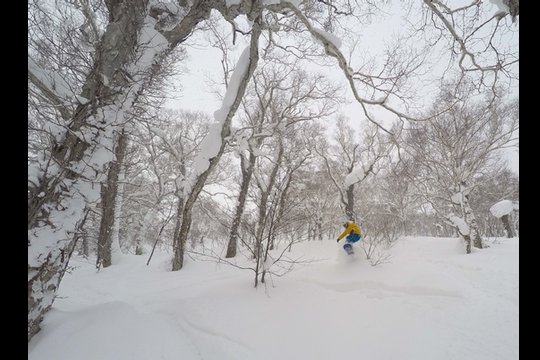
(431, 301)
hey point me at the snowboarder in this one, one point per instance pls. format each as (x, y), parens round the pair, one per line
(353, 235)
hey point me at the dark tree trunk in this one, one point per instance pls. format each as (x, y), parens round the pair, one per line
(178, 222)
(507, 226)
(467, 239)
(349, 209)
(109, 197)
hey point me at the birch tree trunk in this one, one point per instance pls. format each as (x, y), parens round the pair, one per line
(471, 219)
(244, 187)
(234, 97)
(475, 233)
(462, 230)
(263, 207)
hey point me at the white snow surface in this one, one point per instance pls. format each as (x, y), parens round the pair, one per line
(457, 198)
(431, 301)
(355, 176)
(461, 224)
(500, 5)
(329, 37)
(54, 82)
(503, 207)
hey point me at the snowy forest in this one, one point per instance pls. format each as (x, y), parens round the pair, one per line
(118, 164)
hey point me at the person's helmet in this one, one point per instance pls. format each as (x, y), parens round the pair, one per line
(345, 224)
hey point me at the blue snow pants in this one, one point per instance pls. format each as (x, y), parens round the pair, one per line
(352, 238)
(349, 240)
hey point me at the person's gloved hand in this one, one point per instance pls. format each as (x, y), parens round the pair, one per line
(337, 240)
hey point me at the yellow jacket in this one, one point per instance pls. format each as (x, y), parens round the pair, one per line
(351, 228)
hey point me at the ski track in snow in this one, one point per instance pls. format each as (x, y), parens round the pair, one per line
(213, 333)
(382, 287)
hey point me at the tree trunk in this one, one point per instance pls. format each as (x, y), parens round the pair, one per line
(273, 216)
(281, 211)
(181, 202)
(506, 222)
(268, 247)
(200, 179)
(349, 208)
(263, 206)
(260, 231)
(178, 222)
(83, 236)
(85, 251)
(467, 240)
(462, 230)
(473, 224)
(319, 228)
(40, 298)
(244, 187)
(109, 198)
